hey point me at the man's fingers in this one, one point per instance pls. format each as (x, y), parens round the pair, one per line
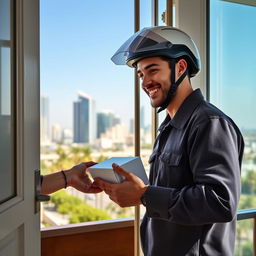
(98, 182)
(88, 164)
(121, 171)
(102, 184)
(94, 190)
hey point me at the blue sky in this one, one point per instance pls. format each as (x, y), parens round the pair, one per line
(233, 65)
(78, 38)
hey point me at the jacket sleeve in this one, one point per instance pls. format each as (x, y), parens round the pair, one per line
(214, 151)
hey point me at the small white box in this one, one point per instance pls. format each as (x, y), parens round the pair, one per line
(104, 169)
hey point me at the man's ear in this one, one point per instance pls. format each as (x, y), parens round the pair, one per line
(181, 67)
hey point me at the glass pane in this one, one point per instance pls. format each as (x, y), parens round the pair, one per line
(145, 13)
(7, 181)
(161, 21)
(161, 12)
(90, 100)
(232, 86)
(5, 81)
(244, 238)
(5, 31)
(162, 5)
(44, 122)
(145, 107)
(232, 49)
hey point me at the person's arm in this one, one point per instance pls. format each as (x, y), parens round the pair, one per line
(214, 161)
(75, 177)
(52, 182)
(215, 165)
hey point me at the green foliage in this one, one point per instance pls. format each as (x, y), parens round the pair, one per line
(119, 212)
(245, 250)
(146, 146)
(78, 210)
(67, 157)
(87, 213)
(249, 182)
(42, 166)
(247, 201)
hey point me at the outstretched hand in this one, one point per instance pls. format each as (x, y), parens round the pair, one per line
(78, 178)
(127, 193)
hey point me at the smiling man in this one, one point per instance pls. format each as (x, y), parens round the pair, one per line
(194, 188)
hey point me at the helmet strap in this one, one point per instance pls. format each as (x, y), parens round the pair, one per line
(174, 85)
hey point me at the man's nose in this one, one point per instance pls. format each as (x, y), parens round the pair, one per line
(146, 82)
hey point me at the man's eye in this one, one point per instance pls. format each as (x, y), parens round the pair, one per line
(153, 71)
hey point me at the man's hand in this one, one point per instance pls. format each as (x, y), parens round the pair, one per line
(127, 193)
(78, 178)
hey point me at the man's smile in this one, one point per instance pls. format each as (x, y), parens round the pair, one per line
(152, 90)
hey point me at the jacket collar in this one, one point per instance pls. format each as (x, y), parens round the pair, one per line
(184, 111)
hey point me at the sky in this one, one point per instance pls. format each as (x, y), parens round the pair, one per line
(233, 65)
(75, 56)
(78, 38)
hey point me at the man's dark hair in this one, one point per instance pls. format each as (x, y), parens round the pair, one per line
(182, 57)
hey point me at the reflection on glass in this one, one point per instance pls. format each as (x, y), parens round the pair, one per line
(88, 101)
(7, 182)
(5, 78)
(232, 89)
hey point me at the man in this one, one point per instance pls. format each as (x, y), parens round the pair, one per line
(194, 189)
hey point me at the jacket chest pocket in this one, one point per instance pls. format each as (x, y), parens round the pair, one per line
(172, 159)
(165, 169)
(169, 172)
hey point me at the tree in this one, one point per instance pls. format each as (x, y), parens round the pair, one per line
(76, 208)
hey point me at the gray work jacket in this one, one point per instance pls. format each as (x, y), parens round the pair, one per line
(194, 187)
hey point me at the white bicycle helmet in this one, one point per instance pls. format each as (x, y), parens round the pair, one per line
(164, 41)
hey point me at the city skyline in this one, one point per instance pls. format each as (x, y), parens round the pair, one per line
(75, 55)
(88, 125)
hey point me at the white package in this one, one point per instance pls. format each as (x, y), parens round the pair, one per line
(104, 169)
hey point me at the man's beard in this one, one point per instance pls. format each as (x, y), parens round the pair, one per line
(158, 104)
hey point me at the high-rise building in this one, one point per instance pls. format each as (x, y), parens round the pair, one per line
(56, 133)
(106, 120)
(44, 119)
(115, 137)
(84, 119)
